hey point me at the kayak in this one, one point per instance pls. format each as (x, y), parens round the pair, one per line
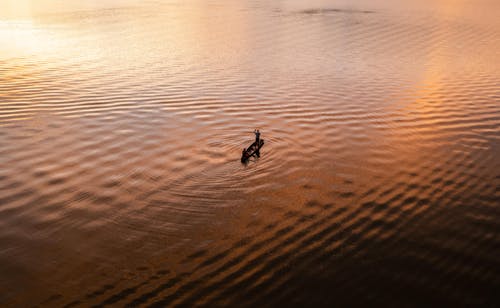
(252, 150)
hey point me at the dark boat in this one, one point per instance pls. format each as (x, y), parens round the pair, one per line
(252, 150)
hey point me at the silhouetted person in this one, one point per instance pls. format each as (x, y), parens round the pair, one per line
(257, 136)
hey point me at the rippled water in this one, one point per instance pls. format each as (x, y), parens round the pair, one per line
(121, 129)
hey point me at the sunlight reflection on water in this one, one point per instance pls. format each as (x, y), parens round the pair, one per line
(121, 129)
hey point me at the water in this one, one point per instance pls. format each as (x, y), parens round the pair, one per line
(121, 129)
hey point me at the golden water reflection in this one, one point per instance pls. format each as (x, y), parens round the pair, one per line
(122, 124)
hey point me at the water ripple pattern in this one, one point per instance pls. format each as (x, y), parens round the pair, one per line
(121, 130)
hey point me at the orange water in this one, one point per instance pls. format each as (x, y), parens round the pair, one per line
(121, 129)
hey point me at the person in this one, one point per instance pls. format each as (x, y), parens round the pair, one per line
(257, 136)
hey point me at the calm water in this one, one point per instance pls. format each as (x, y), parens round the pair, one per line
(121, 129)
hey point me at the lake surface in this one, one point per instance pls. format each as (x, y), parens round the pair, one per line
(122, 125)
